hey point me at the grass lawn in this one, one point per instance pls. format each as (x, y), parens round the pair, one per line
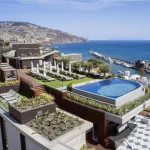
(58, 83)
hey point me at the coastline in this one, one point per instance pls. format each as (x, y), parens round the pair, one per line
(125, 50)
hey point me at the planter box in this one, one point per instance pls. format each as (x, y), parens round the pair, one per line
(5, 89)
(27, 115)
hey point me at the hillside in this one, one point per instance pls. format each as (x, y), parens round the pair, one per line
(31, 33)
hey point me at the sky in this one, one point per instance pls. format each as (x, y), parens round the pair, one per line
(92, 19)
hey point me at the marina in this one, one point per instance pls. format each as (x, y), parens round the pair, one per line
(109, 59)
(121, 62)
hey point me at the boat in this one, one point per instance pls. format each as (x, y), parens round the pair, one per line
(126, 65)
(109, 60)
(117, 62)
(96, 54)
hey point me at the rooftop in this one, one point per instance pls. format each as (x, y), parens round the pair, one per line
(139, 139)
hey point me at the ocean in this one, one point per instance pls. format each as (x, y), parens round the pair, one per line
(126, 50)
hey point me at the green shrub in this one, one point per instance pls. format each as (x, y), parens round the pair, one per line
(84, 147)
(69, 86)
(106, 107)
(147, 89)
(8, 83)
(43, 99)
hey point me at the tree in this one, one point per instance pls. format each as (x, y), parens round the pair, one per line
(96, 62)
(104, 69)
(88, 66)
(66, 61)
(141, 72)
(76, 65)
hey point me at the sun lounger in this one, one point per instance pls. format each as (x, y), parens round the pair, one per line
(8, 93)
(49, 78)
(12, 98)
(16, 100)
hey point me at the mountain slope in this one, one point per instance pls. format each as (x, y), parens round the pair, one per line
(28, 32)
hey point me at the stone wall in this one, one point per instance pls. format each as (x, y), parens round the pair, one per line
(73, 56)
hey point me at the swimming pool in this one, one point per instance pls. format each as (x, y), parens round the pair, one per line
(115, 90)
(112, 88)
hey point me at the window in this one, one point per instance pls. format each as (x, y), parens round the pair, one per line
(95, 132)
(23, 142)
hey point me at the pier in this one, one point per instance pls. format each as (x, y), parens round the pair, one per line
(124, 63)
(110, 59)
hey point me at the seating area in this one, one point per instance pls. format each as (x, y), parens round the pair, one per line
(41, 76)
(59, 76)
(51, 73)
(74, 75)
(11, 96)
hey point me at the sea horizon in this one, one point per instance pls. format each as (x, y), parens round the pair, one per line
(130, 50)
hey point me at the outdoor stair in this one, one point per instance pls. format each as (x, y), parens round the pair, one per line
(39, 90)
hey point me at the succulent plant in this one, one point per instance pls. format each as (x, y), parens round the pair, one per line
(53, 125)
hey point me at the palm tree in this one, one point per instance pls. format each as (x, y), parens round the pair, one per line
(104, 69)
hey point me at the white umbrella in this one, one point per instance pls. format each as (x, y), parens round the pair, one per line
(69, 67)
(31, 66)
(37, 69)
(57, 69)
(50, 67)
(62, 66)
(44, 69)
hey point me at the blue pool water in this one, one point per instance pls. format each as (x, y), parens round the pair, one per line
(112, 88)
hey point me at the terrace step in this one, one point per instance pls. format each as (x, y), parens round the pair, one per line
(39, 90)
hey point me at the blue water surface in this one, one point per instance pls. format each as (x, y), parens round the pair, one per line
(112, 88)
(127, 50)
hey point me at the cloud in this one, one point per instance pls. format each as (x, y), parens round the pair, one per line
(84, 4)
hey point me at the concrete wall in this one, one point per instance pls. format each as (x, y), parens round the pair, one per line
(1, 143)
(94, 96)
(28, 62)
(72, 140)
(30, 145)
(13, 137)
(73, 56)
(77, 142)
